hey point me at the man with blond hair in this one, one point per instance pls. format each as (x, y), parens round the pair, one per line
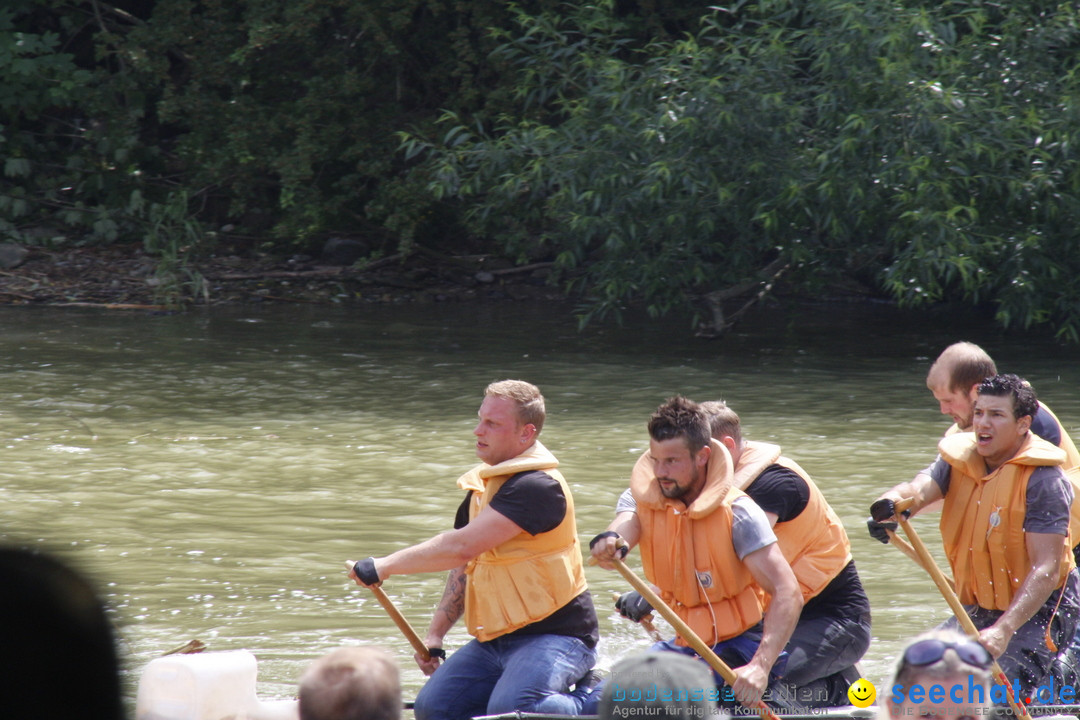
(351, 683)
(515, 575)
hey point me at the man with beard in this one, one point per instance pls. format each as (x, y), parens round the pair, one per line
(834, 627)
(709, 549)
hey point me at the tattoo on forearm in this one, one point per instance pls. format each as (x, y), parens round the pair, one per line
(452, 604)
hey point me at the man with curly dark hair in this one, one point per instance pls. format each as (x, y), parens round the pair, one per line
(1005, 528)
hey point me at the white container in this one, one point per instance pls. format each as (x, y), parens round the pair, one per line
(206, 686)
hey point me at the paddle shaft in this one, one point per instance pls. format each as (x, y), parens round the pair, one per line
(403, 624)
(399, 620)
(684, 630)
(902, 545)
(928, 564)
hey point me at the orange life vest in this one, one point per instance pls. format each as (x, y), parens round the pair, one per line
(687, 552)
(528, 577)
(814, 543)
(982, 521)
(1071, 466)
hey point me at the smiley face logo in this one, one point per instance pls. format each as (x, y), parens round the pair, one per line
(862, 693)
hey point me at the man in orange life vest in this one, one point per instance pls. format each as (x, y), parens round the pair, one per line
(834, 626)
(953, 380)
(1005, 527)
(708, 548)
(515, 574)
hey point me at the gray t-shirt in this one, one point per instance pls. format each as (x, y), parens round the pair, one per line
(750, 527)
(1049, 496)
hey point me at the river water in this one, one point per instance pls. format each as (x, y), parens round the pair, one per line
(212, 471)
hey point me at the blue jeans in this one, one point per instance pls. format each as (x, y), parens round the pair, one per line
(530, 673)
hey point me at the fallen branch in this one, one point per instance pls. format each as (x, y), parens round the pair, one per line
(522, 268)
(375, 264)
(321, 272)
(189, 648)
(112, 306)
(278, 298)
(17, 295)
(715, 300)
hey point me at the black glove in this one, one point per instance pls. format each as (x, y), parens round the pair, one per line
(606, 534)
(632, 605)
(878, 529)
(884, 509)
(880, 512)
(365, 570)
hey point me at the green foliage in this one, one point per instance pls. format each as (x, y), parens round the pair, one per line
(174, 237)
(649, 173)
(927, 147)
(277, 115)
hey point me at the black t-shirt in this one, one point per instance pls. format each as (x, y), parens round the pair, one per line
(535, 502)
(780, 491)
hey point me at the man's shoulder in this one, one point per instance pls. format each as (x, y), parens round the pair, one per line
(1045, 424)
(776, 475)
(533, 478)
(780, 490)
(1048, 473)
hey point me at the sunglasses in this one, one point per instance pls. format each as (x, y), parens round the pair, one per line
(927, 652)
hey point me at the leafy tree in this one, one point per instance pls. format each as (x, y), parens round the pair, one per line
(272, 117)
(42, 92)
(925, 148)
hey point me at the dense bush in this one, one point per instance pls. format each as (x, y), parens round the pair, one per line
(924, 150)
(273, 117)
(927, 149)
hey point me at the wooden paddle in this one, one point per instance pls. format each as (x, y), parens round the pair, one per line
(902, 545)
(645, 622)
(947, 591)
(687, 634)
(399, 619)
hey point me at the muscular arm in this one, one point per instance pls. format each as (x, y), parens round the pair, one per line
(1044, 550)
(774, 575)
(922, 489)
(449, 550)
(450, 608)
(449, 611)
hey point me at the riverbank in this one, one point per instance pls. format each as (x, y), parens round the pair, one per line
(126, 277)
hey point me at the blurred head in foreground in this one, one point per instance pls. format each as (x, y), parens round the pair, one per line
(941, 673)
(351, 683)
(61, 660)
(659, 684)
